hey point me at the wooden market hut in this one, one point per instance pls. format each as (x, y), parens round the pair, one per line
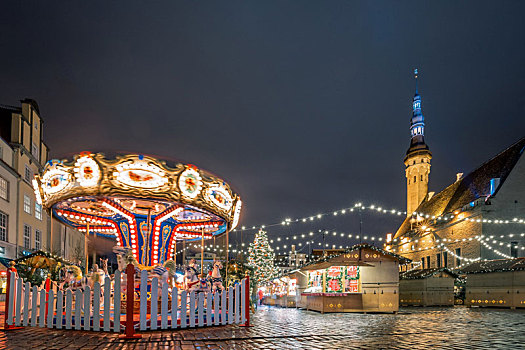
(363, 278)
(285, 290)
(427, 287)
(495, 283)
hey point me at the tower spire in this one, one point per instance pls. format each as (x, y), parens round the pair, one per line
(415, 77)
(418, 156)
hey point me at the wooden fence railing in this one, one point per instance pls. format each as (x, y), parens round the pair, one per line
(106, 308)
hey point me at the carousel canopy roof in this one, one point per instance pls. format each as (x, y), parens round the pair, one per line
(140, 201)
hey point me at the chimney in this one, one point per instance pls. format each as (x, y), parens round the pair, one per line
(293, 248)
(459, 176)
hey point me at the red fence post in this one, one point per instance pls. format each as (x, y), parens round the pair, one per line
(130, 304)
(247, 302)
(47, 286)
(8, 297)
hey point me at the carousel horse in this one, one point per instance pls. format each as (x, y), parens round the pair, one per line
(191, 280)
(71, 278)
(203, 285)
(215, 277)
(104, 266)
(98, 275)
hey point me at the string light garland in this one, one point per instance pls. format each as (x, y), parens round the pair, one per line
(381, 210)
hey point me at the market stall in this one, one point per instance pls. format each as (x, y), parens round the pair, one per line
(427, 287)
(363, 278)
(495, 283)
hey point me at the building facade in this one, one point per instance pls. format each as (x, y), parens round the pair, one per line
(24, 225)
(478, 216)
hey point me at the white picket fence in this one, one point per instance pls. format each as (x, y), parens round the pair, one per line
(100, 309)
(86, 310)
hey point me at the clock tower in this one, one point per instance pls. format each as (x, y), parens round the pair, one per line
(418, 156)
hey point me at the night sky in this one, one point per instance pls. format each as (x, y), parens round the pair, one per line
(302, 106)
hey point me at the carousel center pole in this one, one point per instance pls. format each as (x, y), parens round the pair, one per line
(227, 258)
(86, 246)
(202, 252)
(175, 251)
(50, 245)
(183, 252)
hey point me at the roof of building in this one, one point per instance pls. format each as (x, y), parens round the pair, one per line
(425, 273)
(498, 265)
(402, 259)
(471, 187)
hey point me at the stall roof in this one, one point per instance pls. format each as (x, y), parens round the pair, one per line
(41, 259)
(329, 260)
(425, 273)
(498, 265)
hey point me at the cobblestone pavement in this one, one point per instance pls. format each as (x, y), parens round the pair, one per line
(277, 328)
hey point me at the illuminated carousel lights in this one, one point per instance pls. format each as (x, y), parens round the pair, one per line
(219, 196)
(55, 180)
(236, 214)
(87, 171)
(38, 196)
(141, 174)
(190, 182)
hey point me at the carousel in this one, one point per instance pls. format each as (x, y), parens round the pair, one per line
(145, 205)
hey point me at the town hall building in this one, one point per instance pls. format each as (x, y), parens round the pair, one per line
(479, 216)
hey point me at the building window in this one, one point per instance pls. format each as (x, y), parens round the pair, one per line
(422, 263)
(445, 259)
(514, 249)
(428, 262)
(27, 236)
(421, 177)
(438, 260)
(34, 151)
(4, 189)
(38, 211)
(28, 175)
(415, 178)
(27, 204)
(38, 237)
(458, 254)
(3, 226)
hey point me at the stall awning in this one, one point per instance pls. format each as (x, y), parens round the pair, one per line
(327, 264)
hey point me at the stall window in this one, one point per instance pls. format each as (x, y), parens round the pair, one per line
(3, 226)
(27, 236)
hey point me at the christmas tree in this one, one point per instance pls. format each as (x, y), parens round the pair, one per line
(261, 257)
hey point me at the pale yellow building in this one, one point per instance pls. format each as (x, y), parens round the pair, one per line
(24, 225)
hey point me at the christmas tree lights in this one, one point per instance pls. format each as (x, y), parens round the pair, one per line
(261, 258)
